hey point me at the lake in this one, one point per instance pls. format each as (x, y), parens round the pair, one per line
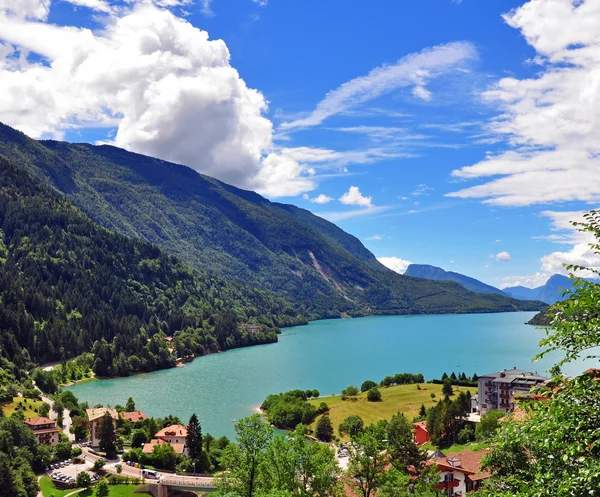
(327, 355)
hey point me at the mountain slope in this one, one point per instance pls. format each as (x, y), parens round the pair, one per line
(238, 234)
(438, 274)
(69, 286)
(550, 292)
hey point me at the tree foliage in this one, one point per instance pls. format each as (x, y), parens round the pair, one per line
(555, 450)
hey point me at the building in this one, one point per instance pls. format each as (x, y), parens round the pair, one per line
(176, 435)
(497, 390)
(44, 429)
(134, 417)
(178, 448)
(251, 328)
(421, 433)
(460, 473)
(95, 417)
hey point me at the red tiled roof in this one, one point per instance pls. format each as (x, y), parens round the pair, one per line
(173, 431)
(149, 447)
(468, 462)
(134, 416)
(39, 420)
(421, 424)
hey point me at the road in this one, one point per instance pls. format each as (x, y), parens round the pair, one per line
(201, 481)
(53, 415)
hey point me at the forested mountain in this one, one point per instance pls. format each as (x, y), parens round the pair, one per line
(550, 292)
(439, 274)
(237, 234)
(68, 286)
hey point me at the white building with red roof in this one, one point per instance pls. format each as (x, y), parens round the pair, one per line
(175, 435)
(44, 429)
(460, 473)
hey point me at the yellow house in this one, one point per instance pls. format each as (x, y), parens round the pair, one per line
(95, 417)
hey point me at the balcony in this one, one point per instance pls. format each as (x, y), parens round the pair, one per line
(447, 484)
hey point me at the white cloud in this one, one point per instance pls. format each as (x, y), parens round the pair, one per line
(383, 133)
(374, 237)
(98, 5)
(422, 93)
(395, 263)
(363, 212)
(529, 281)
(169, 91)
(206, 10)
(25, 9)
(554, 263)
(551, 121)
(261, 3)
(335, 158)
(413, 70)
(354, 197)
(321, 199)
(503, 256)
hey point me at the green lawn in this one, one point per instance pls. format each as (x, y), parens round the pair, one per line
(472, 446)
(116, 491)
(49, 490)
(29, 406)
(400, 398)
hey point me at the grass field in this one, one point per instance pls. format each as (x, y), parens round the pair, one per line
(400, 398)
(29, 406)
(49, 490)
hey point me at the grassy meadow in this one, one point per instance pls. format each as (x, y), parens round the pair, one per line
(399, 398)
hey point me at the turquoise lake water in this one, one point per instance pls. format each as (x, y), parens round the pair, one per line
(327, 355)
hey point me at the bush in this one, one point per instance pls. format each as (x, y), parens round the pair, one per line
(374, 395)
(84, 479)
(466, 435)
(367, 385)
(98, 464)
(489, 424)
(76, 451)
(352, 425)
(119, 468)
(323, 407)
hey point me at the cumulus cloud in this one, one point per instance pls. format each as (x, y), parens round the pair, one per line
(503, 256)
(320, 199)
(550, 121)
(354, 197)
(580, 253)
(169, 90)
(529, 281)
(413, 70)
(395, 263)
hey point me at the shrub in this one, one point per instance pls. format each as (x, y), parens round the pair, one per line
(374, 395)
(367, 385)
(466, 435)
(84, 479)
(98, 464)
(352, 425)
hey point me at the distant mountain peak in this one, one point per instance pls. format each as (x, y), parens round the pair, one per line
(437, 273)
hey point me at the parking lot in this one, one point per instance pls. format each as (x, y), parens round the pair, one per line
(67, 473)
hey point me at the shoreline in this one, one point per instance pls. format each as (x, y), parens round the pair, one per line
(182, 364)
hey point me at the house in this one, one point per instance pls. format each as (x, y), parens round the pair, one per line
(95, 417)
(497, 390)
(134, 417)
(178, 448)
(251, 328)
(44, 429)
(421, 433)
(460, 473)
(176, 435)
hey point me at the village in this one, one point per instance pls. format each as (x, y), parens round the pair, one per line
(124, 443)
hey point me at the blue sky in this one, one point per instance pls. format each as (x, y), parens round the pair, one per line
(456, 133)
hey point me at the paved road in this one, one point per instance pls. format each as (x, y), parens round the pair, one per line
(66, 417)
(202, 481)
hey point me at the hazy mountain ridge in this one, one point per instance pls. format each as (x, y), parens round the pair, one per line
(550, 292)
(437, 273)
(235, 233)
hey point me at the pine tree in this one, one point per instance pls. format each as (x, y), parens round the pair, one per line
(194, 438)
(324, 428)
(107, 435)
(130, 406)
(422, 411)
